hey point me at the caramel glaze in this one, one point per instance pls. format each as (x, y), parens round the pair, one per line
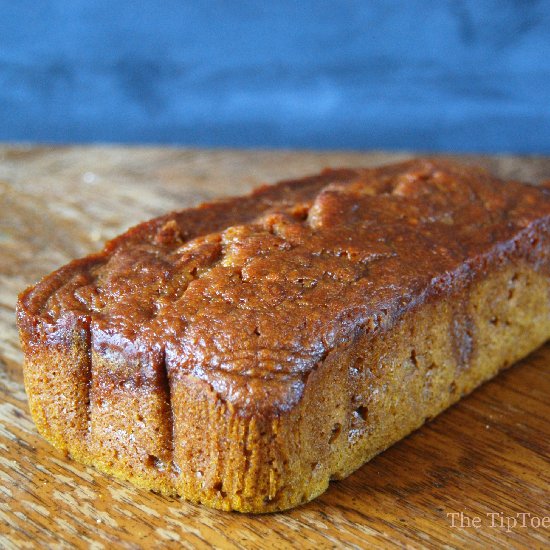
(251, 293)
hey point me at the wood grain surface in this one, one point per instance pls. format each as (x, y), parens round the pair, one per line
(489, 454)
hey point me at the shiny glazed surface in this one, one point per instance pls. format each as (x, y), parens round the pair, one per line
(251, 293)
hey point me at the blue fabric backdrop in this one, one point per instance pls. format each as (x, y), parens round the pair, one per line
(431, 75)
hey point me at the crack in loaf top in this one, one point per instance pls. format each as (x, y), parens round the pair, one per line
(264, 286)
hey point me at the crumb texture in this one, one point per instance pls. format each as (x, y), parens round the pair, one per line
(244, 352)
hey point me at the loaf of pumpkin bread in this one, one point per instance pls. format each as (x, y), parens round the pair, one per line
(243, 353)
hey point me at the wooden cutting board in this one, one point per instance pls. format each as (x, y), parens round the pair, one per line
(487, 455)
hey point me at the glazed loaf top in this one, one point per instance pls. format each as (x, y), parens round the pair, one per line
(251, 293)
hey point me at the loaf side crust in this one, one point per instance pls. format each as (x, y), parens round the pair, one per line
(256, 407)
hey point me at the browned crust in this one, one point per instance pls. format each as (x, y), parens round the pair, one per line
(269, 442)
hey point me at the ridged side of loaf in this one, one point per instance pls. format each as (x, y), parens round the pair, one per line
(177, 436)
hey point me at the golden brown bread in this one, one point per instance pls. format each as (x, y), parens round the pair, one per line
(243, 353)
